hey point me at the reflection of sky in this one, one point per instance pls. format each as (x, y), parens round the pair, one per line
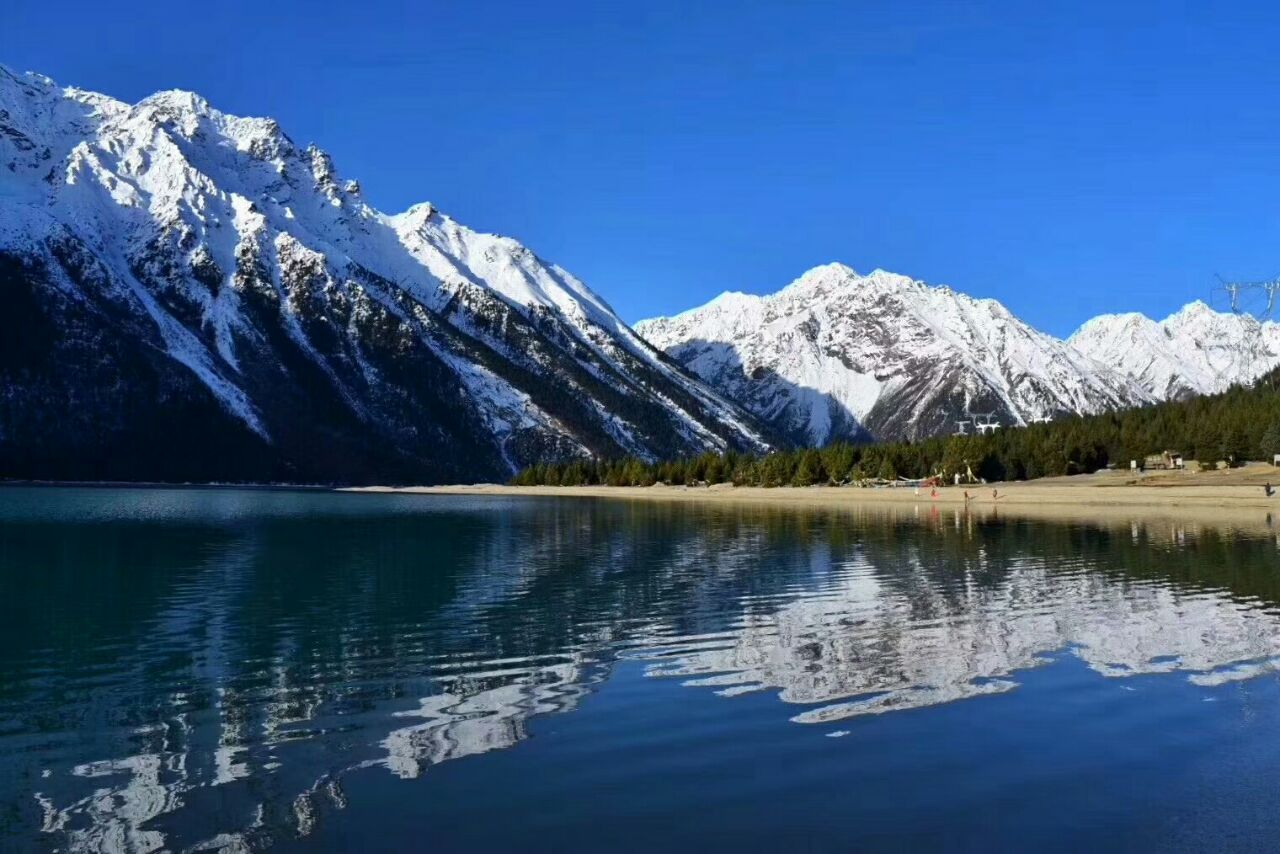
(535, 612)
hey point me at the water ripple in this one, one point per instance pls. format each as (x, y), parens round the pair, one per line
(166, 645)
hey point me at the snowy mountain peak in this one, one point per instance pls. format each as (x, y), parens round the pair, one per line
(1125, 319)
(415, 216)
(731, 300)
(823, 275)
(1195, 308)
(174, 276)
(1198, 313)
(185, 263)
(1195, 350)
(835, 276)
(176, 102)
(839, 355)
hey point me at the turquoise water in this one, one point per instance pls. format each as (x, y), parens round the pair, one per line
(236, 670)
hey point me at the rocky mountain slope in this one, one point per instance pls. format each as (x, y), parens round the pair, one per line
(836, 355)
(1195, 351)
(189, 295)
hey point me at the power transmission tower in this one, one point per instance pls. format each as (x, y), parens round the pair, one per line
(1262, 294)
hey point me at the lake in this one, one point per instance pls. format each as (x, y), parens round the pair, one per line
(238, 670)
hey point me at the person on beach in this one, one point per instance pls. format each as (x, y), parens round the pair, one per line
(995, 495)
(1268, 490)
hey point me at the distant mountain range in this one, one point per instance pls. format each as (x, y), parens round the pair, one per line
(837, 355)
(1195, 351)
(190, 295)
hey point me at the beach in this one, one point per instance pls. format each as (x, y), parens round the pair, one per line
(1232, 498)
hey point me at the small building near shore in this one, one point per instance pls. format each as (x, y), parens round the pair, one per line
(1164, 460)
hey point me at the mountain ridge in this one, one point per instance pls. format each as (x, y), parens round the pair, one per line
(838, 355)
(1195, 350)
(215, 273)
(194, 296)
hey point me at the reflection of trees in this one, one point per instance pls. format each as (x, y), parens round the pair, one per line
(239, 671)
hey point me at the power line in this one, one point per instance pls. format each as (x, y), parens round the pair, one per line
(1238, 293)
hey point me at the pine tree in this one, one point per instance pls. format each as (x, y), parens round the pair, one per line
(810, 470)
(1241, 424)
(1271, 440)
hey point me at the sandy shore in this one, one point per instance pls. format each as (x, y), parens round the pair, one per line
(1229, 499)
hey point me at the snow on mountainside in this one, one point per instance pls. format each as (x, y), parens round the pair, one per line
(838, 355)
(1195, 351)
(190, 295)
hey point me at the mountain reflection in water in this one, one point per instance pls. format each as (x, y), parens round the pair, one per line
(206, 668)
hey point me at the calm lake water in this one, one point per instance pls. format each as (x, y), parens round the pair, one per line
(209, 669)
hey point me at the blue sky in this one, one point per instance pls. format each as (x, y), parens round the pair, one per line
(1067, 158)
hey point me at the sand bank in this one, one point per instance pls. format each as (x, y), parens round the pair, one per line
(1227, 499)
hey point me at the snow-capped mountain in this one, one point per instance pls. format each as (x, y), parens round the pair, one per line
(1195, 351)
(838, 355)
(189, 294)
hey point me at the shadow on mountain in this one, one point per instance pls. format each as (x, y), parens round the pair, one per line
(798, 415)
(928, 401)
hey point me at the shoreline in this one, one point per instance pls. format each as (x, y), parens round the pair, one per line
(1083, 498)
(1235, 488)
(1010, 495)
(1224, 499)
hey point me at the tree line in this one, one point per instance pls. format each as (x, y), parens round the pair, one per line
(1242, 423)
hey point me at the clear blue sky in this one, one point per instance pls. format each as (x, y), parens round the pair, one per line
(1067, 158)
